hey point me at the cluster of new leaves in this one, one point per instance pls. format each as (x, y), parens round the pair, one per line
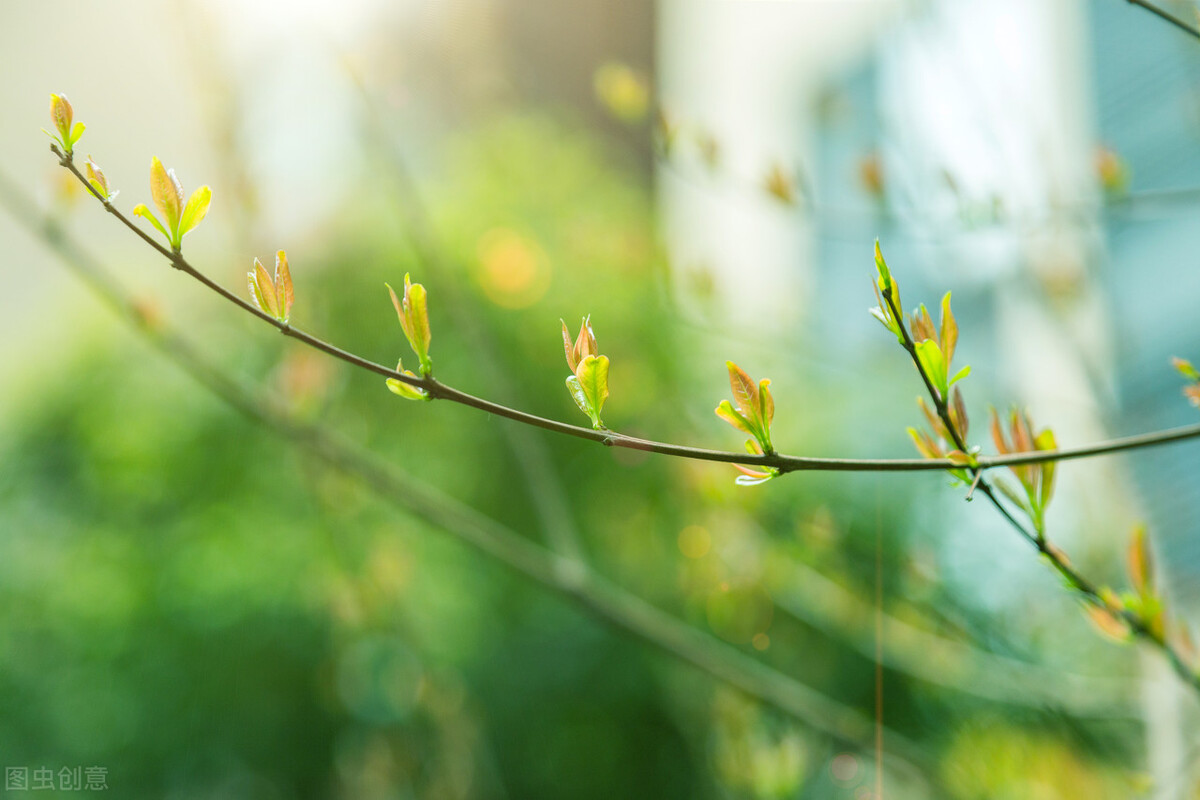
(413, 311)
(179, 218)
(1192, 390)
(98, 181)
(588, 383)
(62, 115)
(753, 414)
(1142, 605)
(933, 350)
(1036, 479)
(273, 296)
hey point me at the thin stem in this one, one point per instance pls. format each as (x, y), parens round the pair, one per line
(779, 461)
(606, 601)
(1191, 30)
(1036, 538)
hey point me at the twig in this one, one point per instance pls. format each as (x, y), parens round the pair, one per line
(1191, 30)
(1052, 554)
(529, 450)
(779, 461)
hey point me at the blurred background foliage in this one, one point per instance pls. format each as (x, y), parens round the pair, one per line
(207, 611)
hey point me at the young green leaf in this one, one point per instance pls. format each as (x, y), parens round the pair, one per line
(755, 407)
(949, 331)
(262, 290)
(1045, 441)
(284, 293)
(405, 390)
(99, 182)
(726, 412)
(195, 210)
(76, 134)
(934, 365)
(413, 313)
(141, 210)
(167, 195)
(885, 287)
(580, 398)
(62, 114)
(592, 375)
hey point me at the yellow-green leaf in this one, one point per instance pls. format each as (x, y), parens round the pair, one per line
(284, 295)
(61, 113)
(97, 179)
(934, 364)
(569, 346)
(141, 210)
(416, 303)
(885, 281)
(949, 330)
(593, 380)
(581, 398)
(726, 412)
(195, 210)
(263, 289)
(1045, 441)
(400, 313)
(167, 195)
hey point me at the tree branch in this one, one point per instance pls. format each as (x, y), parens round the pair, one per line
(1191, 30)
(779, 461)
(1052, 554)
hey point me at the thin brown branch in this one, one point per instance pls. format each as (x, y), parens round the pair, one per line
(1181, 24)
(1053, 555)
(780, 461)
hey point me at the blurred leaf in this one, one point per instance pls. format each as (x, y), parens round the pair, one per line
(1141, 573)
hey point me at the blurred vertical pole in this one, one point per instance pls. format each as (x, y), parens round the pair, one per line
(747, 74)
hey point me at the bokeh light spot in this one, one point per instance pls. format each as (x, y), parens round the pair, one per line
(844, 767)
(513, 270)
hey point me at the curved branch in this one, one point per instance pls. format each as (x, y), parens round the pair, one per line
(1056, 557)
(779, 461)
